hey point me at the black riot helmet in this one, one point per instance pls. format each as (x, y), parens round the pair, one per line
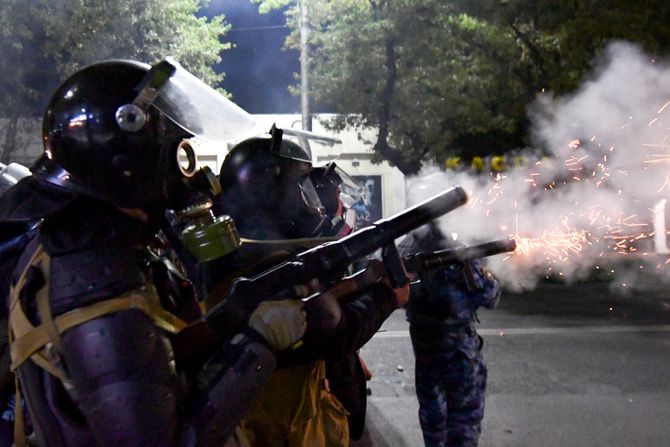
(327, 183)
(327, 180)
(119, 131)
(267, 189)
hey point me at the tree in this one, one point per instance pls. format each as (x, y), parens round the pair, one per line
(42, 41)
(443, 78)
(564, 38)
(425, 76)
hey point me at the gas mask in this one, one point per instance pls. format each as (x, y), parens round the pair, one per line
(188, 190)
(205, 235)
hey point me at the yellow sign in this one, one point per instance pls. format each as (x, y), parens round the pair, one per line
(491, 163)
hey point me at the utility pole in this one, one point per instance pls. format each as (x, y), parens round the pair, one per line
(304, 66)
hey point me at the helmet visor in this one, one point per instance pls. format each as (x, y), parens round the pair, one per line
(309, 194)
(200, 109)
(294, 151)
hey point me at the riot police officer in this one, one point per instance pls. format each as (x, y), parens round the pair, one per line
(268, 191)
(90, 334)
(450, 373)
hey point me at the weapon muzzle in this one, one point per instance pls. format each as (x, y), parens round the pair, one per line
(385, 231)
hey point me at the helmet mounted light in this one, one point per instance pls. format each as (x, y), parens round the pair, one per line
(132, 117)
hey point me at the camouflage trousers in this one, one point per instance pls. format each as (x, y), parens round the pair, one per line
(450, 389)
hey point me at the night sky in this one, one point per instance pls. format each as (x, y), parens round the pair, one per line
(258, 71)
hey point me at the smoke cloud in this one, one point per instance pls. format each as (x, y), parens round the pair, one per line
(585, 202)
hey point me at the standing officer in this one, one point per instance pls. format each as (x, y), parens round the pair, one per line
(90, 334)
(450, 373)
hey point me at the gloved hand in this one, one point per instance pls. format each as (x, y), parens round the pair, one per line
(280, 323)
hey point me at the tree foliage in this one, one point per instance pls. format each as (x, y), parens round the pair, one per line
(563, 38)
(454, 77)
(43, 41)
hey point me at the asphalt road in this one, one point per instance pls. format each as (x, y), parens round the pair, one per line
(568, 366)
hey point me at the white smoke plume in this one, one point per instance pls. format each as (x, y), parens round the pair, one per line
(588, 203)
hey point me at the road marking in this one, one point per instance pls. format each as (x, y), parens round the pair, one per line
(547, 330)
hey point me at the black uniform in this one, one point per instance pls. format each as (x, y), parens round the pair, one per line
(450, 370)
(90, 320)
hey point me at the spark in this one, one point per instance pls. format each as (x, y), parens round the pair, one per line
(552, 244)
(663, 108)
